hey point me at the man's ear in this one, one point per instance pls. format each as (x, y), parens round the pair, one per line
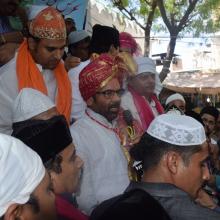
(173, 161)
(14, 212)
(32, 44)
(90, 101)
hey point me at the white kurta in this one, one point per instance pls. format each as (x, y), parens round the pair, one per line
(78, 104)
(105, 172)
(9, 91)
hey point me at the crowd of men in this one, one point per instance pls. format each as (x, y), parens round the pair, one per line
(83, 134)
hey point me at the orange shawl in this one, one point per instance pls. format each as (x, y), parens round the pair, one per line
(29, 76)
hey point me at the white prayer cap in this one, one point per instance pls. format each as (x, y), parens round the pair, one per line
(29, 103)
(21, 172)
(76, 36)
(145, 65)
(69, 16)
(174, 97)
(34, 10)
(177, 129)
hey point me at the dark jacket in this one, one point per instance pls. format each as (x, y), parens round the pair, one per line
(133, 205)
(177, 203)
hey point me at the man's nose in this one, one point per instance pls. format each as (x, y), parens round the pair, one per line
(58, 54)
(206, 173)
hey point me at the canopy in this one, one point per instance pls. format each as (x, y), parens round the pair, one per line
(194, 81)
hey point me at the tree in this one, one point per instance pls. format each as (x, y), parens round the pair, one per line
(135, 10)
(179, 16)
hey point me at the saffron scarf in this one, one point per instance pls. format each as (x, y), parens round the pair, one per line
(29, 76)
(144, 110)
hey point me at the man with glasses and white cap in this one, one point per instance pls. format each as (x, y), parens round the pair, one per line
(175, 159)
(25, 186)
(140, 98)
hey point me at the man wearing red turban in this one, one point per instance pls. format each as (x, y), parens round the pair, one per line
(37, 65)
(95, 136)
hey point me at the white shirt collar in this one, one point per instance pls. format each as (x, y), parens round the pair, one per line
(101, 118)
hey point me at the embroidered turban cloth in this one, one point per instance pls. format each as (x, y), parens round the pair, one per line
(127, 42)
(48, 24)
(98, 73)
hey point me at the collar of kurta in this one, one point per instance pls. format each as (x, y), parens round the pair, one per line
(158, 189)
(101, 119)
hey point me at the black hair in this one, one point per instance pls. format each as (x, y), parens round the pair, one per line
(54, 164)
(150, 151)
(195, 115)
(211, 111)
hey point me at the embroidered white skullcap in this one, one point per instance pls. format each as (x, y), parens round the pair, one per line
(177, 129)
(76, 36)
(69, 16)
(29, 103)
(21, 172)
(145, 65)
(34, 10)
(174, 97)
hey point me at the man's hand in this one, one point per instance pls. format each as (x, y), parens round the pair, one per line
(7, 52)
(71, 62)
(205, 200)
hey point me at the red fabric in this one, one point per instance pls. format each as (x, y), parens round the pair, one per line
(143, 108)
(127, 41)
(67, 211)
(98, 72)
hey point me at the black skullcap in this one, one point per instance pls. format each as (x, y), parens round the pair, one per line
(211, 111)
(47, 137)
(102, 39)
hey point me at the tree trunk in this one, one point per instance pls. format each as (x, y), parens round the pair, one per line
(148, 28)
(168, 58)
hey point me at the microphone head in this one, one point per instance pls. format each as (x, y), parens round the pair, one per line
(128, 117)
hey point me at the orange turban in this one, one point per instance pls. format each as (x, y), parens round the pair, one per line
(98, 73)
(48, 24)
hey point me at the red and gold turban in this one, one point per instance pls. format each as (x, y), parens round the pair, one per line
(48, 24)
(98, 73)
(127, 42)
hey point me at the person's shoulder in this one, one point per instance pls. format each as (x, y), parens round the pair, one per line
(81, 125)
(8, 67)
(184, 208)
(79, 68)
(130, 205)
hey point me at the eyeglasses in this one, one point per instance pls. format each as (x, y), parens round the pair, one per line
(110, 93)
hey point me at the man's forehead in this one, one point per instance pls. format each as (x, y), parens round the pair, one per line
(208, 116)
(53, 43)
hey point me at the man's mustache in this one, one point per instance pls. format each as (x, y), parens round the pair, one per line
(114, 105)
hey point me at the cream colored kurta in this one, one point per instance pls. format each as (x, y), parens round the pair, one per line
(105, 172)
(9, 91)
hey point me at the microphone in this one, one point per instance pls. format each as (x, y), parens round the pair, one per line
(128, 117)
